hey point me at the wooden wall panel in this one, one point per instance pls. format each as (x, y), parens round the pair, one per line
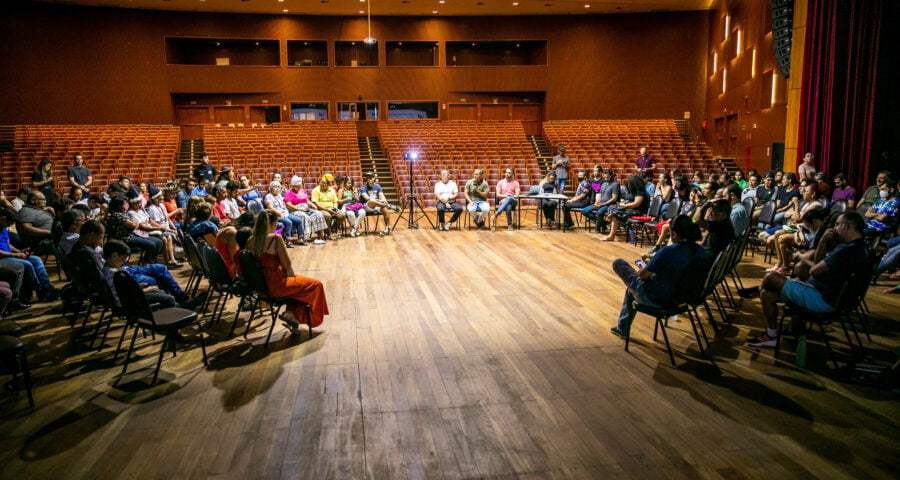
(498, 111)
(462, 112)
(599, 66)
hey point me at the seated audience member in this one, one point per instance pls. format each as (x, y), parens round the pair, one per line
(289, 221)
(445, 194)
(649, 186)
(21, 196)
(36, 221)
(270, 252)
(218, 195)
(739, 179)
(34, 266)
(508, 189)
(158, 219)
(871, 195)
(249, 193)
(17, 277)
(548, 186)
(77, 195)
(801, 239)
(201, 189)
(584, 196)
(882, 217)
(354, 210)
(822, 185)
(787, 198)
(90, 242)
(739, 216)
(135, 219)
(298, 203)
(477, 197)
(6, 295)
(818, 292)
(231, 205)
(226, 240)
(376, 204)
(115, 254)
(890, 262)
(99, 207)
(688, 207)
(699, 180)
(71, 224)
(843, 192)
(201, 226)
(809, 201)
(764, 194)
(627, 208)
(605, 197)
(750, 191)
(714, 219)
(183, 195)
(324, 199)
(173, 211)
(654, 285)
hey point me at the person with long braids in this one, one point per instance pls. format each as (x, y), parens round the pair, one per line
(270, 252)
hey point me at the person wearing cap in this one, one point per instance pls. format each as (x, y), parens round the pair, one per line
(644, 161)
(224, 176)
(156, 216)
(843, 192)
(297, 201)
(324, 199)
(205, 170)
(373, 197)
(561, 166)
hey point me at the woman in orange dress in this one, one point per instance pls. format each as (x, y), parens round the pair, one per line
(272, 255)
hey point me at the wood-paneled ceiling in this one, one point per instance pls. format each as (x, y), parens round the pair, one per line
(407, 7)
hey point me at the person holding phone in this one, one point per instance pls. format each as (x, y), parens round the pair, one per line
(654, 284)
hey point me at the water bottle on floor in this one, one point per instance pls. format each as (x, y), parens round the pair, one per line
(632, 237)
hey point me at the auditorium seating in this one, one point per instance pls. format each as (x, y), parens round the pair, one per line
(615, 144)
(459, 147)
(308, 149)
(143, 152)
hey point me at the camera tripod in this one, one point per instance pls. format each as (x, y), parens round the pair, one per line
(414, 211)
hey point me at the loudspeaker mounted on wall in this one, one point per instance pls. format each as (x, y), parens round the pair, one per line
(782, 29)
(777, 155)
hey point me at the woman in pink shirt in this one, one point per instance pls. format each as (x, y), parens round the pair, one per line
(507, 189)
(297, 201)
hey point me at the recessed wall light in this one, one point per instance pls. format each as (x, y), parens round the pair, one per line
(515, 4)
(434, 12)
(587, 5)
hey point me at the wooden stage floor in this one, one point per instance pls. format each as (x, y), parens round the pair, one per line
(473, 354)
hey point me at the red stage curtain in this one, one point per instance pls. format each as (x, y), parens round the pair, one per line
(838, 92)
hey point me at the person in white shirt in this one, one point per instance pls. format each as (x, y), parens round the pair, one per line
(230, 203)
(445, 195)
(147, 226)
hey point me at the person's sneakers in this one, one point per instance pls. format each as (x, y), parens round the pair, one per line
(193, 303)
(448, 226)
(385, 232)
(763, 340)
(16, 305)
(653, 250)
(394, 208)
(615, 331)
(288, 244)
(318, 241)
(748, 293)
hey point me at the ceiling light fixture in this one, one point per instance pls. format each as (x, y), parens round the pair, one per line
(369, 40)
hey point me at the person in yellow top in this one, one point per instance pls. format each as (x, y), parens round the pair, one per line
(325, 200)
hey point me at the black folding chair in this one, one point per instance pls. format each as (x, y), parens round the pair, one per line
(167, 321)
(256, 281)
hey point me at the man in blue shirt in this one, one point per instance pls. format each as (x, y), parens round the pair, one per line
(654, 285)
(827, 277)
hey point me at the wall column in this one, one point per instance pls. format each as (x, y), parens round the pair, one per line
(794, 84)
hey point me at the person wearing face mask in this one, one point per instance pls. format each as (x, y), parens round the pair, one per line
(584, 194)
(870, 196)
(882, 217)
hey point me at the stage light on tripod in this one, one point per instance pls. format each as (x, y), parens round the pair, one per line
(411, 156)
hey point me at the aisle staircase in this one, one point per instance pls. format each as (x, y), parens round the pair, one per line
(373, 159)
(188, 154)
